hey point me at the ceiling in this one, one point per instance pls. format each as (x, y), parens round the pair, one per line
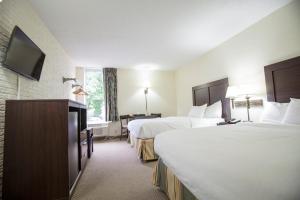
(147, 34)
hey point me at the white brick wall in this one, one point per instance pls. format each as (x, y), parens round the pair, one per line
(57, 63)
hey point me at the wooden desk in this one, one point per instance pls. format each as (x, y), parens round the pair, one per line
(132, 117)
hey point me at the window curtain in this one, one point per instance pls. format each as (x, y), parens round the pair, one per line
(111, 94)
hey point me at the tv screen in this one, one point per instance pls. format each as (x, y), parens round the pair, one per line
(23, 56)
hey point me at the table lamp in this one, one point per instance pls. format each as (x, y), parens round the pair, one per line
(247, 91)
(232, 93)
(146, 85)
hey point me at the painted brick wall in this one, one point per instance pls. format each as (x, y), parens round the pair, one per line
(57, 63)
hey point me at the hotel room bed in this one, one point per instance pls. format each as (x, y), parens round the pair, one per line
(243, 161)
(144, 131)
(247, 161)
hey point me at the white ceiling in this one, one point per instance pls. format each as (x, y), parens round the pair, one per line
(162, 34)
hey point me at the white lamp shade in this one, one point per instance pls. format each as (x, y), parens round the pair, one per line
(232, 92)
(146, 84)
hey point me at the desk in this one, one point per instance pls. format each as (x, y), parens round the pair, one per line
(132, 117)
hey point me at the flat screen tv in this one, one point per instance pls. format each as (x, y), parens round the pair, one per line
(23, 56)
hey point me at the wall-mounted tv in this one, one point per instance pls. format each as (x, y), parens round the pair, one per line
(23, 56)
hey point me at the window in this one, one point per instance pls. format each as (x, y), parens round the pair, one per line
(95, 97)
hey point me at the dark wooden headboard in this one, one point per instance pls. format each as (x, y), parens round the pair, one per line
(283, 80)
(212, 92)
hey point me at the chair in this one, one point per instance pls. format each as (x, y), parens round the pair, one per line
(124, 122)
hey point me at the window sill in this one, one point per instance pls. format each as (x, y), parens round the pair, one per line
(98, 124)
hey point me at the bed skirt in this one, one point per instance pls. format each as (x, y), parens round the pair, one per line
(169, 183)
(144, 148)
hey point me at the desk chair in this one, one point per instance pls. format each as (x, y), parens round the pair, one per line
(124, 123)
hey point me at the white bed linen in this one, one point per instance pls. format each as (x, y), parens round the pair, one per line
(149, 128)
(247, 161)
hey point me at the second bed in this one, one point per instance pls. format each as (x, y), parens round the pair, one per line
(144, 131)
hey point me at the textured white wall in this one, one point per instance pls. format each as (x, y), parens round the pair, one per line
(57, 63)
(242, 58)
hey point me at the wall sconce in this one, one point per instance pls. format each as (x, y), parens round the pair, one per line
(79, 89)
(69, 79)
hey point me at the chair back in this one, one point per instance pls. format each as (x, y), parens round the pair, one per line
(124, 119)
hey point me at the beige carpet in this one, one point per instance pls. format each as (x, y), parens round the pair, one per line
(115, 173)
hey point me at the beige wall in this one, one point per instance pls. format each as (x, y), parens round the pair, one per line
(131, 99)
(242, 58)
(57, 63)
(161, 97)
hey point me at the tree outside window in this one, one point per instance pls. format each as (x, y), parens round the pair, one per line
(95, 97)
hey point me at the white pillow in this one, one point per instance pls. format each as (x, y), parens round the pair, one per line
(273, 112)
(197, 111)
(214, 110)
(292, 115)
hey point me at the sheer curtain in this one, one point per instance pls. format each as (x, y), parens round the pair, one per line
(111, 94)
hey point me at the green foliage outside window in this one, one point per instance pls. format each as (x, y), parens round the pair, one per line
(95, 97)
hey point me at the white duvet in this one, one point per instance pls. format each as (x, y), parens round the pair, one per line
(149, 128)
(239, 162)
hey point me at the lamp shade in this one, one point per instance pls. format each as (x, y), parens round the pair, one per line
(80, 91)
(146, 84)
(232, 92)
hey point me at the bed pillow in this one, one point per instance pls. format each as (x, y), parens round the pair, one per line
(197, 111)
(214, 110)
(273, 112)
(292, 115)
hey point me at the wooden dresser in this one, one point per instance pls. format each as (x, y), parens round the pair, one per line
(43, 158)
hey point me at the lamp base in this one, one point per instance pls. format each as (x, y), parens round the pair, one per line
(248, 107)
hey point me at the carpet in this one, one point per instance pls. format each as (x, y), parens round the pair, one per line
(115, 173)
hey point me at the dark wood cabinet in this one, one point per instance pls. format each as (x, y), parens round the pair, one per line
(42, 148)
